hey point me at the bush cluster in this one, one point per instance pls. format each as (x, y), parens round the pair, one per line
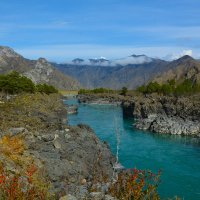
(14, 83)
(47, 89)
(171, 88)
(124, 91)
(26, 182)
(95, 91)
(135, 185)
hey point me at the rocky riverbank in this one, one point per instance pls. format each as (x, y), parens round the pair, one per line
(73, 159)
(160, 114)
(113, 99)
(164, 114)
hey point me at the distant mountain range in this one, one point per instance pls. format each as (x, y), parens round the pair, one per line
(131, 72)
(39, 71)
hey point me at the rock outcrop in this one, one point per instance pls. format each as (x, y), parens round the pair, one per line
(101, 99)
(160, 114)
(72, 109)
(164, 114)
(73, 159)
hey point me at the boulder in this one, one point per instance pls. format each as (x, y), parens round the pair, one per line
(68, 197)
(73, 109)
(16, 131)
(96, 196)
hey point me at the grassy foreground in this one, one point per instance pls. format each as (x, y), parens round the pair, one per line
(21, 176)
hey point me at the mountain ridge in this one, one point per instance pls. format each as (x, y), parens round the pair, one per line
(78, 74)
(39, 71)
(181, 69)
(114, 77)
(132, 75)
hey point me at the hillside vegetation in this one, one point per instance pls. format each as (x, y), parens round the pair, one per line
(187, 87)
(97, 91)
(182, 78)
(14, 83)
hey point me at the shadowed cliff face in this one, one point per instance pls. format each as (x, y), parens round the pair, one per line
(39, 71)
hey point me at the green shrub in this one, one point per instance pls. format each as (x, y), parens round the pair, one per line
(47, 89)
(14, 83)
(95, 91)
(124, 91)
(184, 88)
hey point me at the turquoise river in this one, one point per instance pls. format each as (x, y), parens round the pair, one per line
(177, 157)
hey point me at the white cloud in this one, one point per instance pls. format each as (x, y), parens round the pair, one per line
(175, 56)
(185, 52)
(64, 53)
(132, 60)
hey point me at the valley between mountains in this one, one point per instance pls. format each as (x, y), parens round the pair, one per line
(42, 152)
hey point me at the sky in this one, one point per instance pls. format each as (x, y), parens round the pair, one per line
(61, 30)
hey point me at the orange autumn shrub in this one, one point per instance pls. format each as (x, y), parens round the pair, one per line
(136, 185)
(12, 147)
(25, 183)
(26, 186)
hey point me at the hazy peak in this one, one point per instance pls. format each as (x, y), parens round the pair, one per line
(77, 60)
(8, 52)
(42, 60)
(185, 58)
(136, 56)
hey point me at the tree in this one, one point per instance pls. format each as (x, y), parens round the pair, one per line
(47, 89)
(124, 91)
(153, 87)
(142, 89)
(167, 89)
(14, 83)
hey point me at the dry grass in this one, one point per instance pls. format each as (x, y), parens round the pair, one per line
(31, 111)
(12, 147)
(25, 181)
(68, 92)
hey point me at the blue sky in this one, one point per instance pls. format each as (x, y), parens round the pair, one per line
(61, 30)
